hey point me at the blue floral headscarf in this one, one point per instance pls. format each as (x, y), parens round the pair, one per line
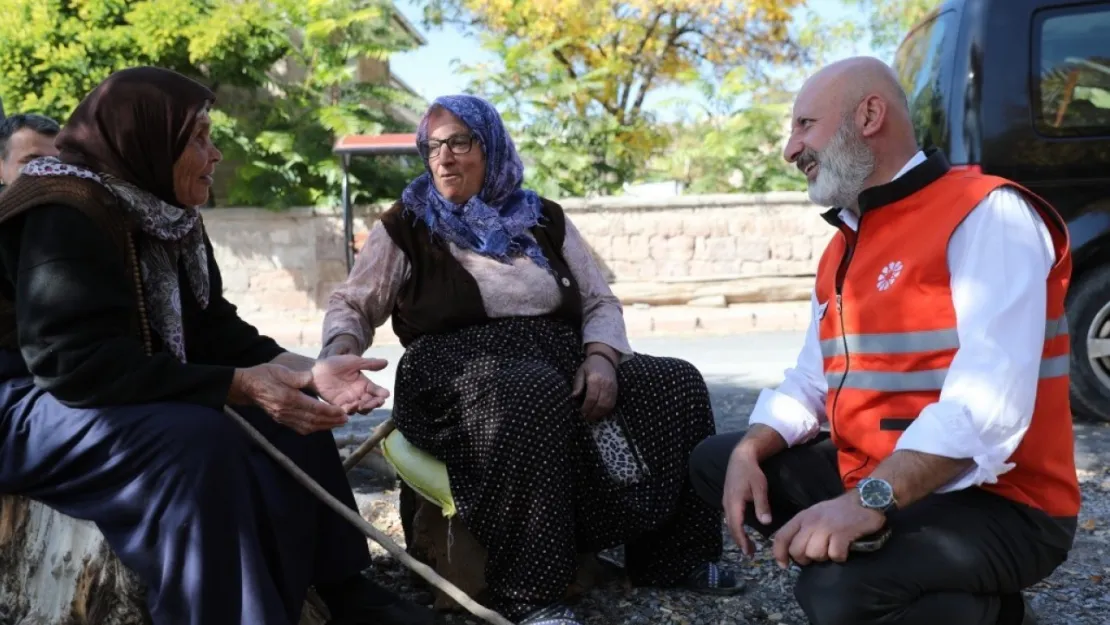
(495, 222)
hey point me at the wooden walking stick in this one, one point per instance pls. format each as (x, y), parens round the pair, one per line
(376, 437)
(369, 530)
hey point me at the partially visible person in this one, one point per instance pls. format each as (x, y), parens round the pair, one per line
(118, 352)
(937, 356)
(23, 138)
(518, 375)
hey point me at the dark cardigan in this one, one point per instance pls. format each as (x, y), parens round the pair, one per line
(71, 289)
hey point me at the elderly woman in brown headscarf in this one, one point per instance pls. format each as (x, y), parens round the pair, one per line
(118, 352)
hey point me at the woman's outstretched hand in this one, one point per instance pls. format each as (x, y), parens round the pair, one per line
(339, 381)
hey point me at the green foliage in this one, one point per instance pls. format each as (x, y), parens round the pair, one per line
(285, 72)
(733, 144)
(888, 21)
(572, 76)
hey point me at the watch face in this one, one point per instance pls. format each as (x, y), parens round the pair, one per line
(875, 494)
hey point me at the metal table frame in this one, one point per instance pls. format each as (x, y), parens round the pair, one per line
(365, 145)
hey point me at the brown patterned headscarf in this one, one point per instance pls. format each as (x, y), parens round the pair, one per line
(127, 134)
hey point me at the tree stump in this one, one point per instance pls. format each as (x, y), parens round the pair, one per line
(57, 570)
(451, 550)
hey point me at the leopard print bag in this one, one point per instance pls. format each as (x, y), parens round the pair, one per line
(623, 461)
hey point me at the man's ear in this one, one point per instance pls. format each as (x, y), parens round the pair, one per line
(871, 115)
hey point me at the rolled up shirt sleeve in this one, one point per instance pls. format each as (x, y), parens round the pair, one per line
(999, 259)
(796, 409)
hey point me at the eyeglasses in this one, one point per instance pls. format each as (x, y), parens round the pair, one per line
(458, 144)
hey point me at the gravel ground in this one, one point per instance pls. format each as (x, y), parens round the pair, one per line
(1078, 593)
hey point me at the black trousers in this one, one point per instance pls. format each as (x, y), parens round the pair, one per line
(955, 558)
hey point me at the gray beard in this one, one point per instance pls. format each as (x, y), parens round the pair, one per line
(844, 166)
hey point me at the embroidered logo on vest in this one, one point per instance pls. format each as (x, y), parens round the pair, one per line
(888, 275)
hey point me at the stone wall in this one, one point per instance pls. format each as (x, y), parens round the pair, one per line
(712, 250)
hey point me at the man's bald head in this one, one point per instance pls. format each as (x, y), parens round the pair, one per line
(851, 129)
(849, 81)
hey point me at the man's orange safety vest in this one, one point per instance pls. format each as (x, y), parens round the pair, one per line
(888, 331)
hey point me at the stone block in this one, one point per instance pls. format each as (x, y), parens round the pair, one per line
(638, 224)
(716, 249)
(639, 246)
(801, 248)
(624, 270)
(753, 249)
(674, 248)
(620, 248)
(781, 249)
(668, 225)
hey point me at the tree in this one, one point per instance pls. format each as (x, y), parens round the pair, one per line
(729, 138)
(888, 21)
(284, 71)
(573, 76)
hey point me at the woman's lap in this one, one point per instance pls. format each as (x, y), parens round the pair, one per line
(487, 405)
(134, 470)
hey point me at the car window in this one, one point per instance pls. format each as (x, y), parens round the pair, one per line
(919, 63)
(1072, 89)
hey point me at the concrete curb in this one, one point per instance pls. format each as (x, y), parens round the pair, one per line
(641, 321)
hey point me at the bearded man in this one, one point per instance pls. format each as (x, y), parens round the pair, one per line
(937, 356)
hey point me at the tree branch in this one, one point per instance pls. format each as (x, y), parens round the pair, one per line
(638, 60)
(560, 57)
(672, 42)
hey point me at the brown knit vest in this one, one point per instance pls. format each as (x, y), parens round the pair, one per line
(87, 196)
(441, 296)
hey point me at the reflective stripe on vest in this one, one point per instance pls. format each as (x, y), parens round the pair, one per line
(912, 342)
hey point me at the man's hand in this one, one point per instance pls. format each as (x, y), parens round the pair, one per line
(825, 531)
(341, 345)
(340, 382)
(745, 484)
(596, 383)
(280, 392)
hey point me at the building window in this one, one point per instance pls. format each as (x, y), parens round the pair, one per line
(1072, 57)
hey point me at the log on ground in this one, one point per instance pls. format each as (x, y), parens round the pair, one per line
(58, 570)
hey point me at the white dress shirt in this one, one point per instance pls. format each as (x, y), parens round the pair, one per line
(999, 258)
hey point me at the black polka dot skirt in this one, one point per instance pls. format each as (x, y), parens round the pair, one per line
(493, 402)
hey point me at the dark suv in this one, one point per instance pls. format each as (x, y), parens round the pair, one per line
(1021, 89)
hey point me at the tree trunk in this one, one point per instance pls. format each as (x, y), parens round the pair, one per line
(57, 570)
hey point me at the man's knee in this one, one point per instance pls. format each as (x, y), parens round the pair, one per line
(832, 594)
(709, 464)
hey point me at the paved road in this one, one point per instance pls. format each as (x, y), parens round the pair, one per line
(735, 368)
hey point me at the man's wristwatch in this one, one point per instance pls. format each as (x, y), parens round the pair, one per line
(877, 494)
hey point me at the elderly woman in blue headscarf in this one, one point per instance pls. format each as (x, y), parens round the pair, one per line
(518, 375)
